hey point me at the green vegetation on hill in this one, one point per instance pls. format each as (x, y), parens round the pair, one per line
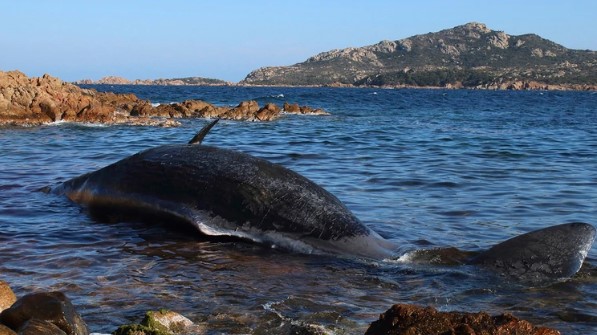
(470, 55)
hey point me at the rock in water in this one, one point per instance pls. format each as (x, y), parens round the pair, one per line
(161, 322)
(53, 308)
(404, 319)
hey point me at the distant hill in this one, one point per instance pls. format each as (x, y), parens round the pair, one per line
(198, 81)
(470, 55)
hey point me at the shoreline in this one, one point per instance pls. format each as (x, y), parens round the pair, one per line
(35, 101)
(506, 86)
(52, 312)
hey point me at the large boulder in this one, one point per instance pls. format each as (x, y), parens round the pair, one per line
(404, 319)
(44, 313)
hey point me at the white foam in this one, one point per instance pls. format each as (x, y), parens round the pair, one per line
(404, 259)
(82, 124)
(269, 307)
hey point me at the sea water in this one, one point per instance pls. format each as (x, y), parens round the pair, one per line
(423, 168)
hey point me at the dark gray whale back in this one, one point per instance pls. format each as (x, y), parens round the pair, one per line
(228, 193)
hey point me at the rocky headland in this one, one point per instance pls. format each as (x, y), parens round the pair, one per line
(52, 313)
(466, 56)
(28, 101)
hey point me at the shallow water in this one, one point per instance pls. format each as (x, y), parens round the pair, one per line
(424, 168)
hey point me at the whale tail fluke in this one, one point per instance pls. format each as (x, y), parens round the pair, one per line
(548, 254)
(197, 139)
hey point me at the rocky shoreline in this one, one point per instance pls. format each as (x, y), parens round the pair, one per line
(28, 101)
(52, 313)
(514, 85)
(508, 85)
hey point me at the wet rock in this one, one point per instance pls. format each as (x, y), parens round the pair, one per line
(403, 319)
(291, 108)
(268, 113)
(305, 110)
(272, 107)
(194, 107)
(312, 111)
(167, 320)
(7, 296)
(52, 307)
(40, 327)
(161, 322)
(211, 112)
(245, 111)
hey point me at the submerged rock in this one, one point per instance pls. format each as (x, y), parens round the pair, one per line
(404, 319)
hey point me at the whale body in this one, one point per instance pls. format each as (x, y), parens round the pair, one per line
(230, 193)
(223, 192)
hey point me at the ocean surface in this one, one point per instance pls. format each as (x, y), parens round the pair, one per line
(423, 168)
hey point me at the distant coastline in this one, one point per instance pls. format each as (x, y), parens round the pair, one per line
(470, 56)
(519, 85)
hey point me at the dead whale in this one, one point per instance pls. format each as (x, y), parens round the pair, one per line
(223, 192)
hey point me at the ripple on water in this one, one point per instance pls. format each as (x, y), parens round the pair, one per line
(424, 168)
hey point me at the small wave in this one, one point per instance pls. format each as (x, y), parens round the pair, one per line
(58, 123)
(61, 123)
(271, 96)
(156, 104)
(310, 327)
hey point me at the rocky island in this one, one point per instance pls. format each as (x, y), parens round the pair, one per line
(466, 56)
(187, 81)
(28, 101)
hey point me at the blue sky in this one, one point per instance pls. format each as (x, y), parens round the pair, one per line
(227, 39)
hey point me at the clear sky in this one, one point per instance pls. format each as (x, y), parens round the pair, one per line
(227, 39)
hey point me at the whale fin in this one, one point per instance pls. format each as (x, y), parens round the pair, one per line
(197, 139)
(541, 256)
